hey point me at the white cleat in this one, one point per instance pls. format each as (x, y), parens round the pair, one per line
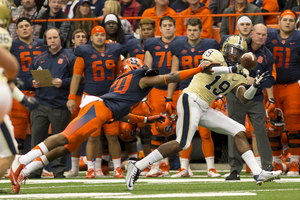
(132, 174)
(155, 171)
(213, 173)
(266, 176)
(181, 173)
(72, 174)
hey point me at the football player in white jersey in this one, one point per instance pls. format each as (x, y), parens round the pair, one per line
(9, 68)
(194, 110)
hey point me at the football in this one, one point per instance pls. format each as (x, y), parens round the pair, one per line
(249, 60)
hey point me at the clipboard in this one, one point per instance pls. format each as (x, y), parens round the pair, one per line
(43, 76)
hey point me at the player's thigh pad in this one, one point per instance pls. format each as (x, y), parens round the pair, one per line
(8, 144)
(189, 113)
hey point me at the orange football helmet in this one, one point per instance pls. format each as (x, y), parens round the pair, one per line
(275, 122)
(166, 128)
(127, 131)
(130, 64)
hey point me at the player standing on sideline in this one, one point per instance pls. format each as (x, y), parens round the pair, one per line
(128, 89)
(193, 109)
(100, 63)
(25, 49)
(158, 56)
(79, 37)
(187, 54)
(284, 43)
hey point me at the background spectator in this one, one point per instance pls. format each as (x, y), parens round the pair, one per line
(69, 7)
(196, 8)
(97, 6)
(180, 5)
(130, 8)
(83, 10)
(26, 9)
(218, 7)
(161, 9)
(240, 6)
(267, 6)
(54, 11)
(145, 4)
(114, 7)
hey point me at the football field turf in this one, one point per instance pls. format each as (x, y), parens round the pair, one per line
(197, 187)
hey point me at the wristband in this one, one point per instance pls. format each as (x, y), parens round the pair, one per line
(71, 97)
(165, 80)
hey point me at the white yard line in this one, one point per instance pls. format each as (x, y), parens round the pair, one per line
(126, 195)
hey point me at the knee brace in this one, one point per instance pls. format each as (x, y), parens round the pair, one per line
(20, 142)
(275, 143)
(293, 139)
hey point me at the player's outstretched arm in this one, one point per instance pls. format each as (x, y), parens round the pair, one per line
(174, 77)
(132, 118)
(9, 63)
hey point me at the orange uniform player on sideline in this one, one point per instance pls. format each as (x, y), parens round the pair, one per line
(128, 89)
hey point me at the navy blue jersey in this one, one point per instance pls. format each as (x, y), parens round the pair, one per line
(265, 63)
(286, 53)
(125, 92)
(100, 68)
(135, 48)
(25, 53)
(162, 56)
(190, 57)
(60, 66)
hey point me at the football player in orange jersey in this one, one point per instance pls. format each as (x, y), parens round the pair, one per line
(79, 37)
(158, 56)
(100, 63)
(284, 44)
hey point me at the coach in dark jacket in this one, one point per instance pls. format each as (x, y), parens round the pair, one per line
(53, 99)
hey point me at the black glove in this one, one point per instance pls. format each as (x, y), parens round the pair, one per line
(207, 68)
(29, 103)
(260, 78)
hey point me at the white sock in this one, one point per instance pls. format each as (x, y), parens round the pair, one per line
(98, 163)
(36, 164)
(36, 152)
(249, 158)
(210, 162)
(117, 162)
(277, 159)
(294, 158)
(258, 160)
(153, 157)
(17, 94)
(90, 165)
(184, 163)
(75, 163)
